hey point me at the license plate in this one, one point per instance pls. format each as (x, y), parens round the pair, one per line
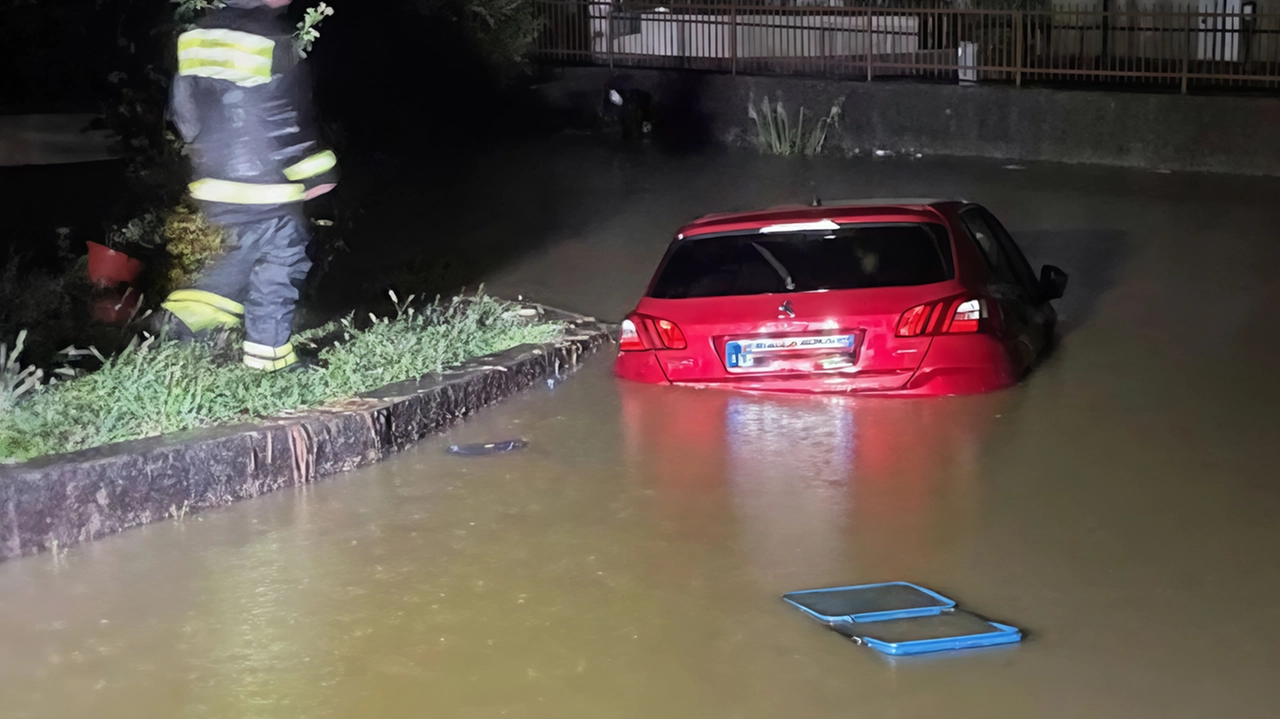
(779, 353)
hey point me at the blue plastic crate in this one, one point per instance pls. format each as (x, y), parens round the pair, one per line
(869, 602)
(948, 631)
(901, 619)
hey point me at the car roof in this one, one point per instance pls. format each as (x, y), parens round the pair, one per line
(868, 210)
(890, 202)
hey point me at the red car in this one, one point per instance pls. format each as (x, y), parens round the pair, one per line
(904, 297)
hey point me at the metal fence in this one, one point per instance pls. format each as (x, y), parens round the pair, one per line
(1182, 49)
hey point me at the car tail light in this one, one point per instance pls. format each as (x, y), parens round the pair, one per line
(629, 340)
(641, 332)
(966, 318)
(963, 315)
(670, 335)
(915, 321)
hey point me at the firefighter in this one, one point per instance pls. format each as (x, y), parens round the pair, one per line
(242, 102)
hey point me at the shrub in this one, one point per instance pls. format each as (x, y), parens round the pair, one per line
(775, 134)
(191, 242)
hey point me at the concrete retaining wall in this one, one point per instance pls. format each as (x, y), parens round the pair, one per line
(1148, 130)
(68, 499)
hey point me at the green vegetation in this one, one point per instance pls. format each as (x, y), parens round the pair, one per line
(500, 32)
(775, 135)
(16, 380)
(503, 30)
(307, 33)
(187, 12)
(156, 386)
(191, 242)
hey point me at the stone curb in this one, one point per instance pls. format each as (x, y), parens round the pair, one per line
(58, 501)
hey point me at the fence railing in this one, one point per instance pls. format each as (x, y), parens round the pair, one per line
(1176, 49)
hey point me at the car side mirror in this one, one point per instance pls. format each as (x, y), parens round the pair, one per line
(1053, 282)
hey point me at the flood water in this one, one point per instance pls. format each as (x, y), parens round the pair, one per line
(1120, 506)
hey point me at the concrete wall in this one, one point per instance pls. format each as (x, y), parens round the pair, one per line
(1157, 131)
(67, 499)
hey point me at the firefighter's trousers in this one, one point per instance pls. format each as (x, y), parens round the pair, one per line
(257, 278)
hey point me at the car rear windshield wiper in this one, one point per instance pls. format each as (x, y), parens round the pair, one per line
(778, 266)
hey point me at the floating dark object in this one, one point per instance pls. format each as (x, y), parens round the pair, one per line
(480, 450)
(900, 618)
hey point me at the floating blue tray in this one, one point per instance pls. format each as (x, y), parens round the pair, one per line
(947, 631)
(901, 619)
(869, 602)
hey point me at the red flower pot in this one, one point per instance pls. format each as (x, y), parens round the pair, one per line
(110, 268)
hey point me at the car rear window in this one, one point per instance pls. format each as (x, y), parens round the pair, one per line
(852, 257)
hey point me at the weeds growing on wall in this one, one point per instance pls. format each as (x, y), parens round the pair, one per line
(155, 387)
(776, 135)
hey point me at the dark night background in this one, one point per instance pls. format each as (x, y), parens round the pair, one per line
(409, 66)
(406, 93)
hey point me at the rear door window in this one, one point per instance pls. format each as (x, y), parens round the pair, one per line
(984, 236)
(1017, 260)
(852, 257)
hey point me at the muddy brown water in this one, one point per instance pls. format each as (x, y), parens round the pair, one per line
(1121, 505)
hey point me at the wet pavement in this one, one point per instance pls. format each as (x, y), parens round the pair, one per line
(1120, 505)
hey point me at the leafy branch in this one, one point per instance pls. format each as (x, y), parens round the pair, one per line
(187, 11)
(307, 34)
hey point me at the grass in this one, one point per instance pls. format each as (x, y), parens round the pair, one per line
(15, 379)
(155, 387)
(777, 136)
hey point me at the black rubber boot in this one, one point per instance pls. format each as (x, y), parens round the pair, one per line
(166, 326)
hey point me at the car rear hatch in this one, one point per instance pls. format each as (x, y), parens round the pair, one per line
(811, 310)
(836, 341)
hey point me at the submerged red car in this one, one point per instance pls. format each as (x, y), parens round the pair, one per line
(909, 297)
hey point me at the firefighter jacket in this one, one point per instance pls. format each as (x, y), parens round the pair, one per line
(242, 102)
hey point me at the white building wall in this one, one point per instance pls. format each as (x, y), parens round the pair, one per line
(668, 34)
